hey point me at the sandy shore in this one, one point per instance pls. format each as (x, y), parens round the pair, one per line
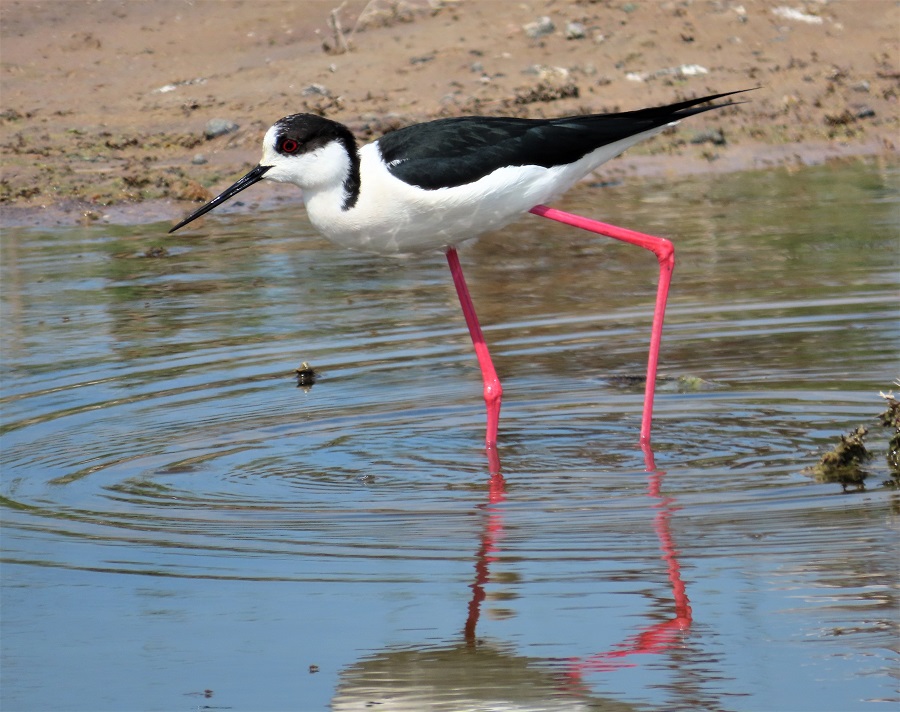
(107, 103)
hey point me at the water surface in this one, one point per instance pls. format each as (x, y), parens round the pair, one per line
(185, 528)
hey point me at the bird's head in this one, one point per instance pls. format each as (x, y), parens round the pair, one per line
(309, 151)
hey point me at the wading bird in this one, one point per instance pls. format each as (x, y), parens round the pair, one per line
(435, 184)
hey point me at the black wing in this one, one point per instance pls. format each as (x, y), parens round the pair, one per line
(452, 152)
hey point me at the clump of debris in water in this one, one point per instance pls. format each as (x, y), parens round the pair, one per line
(844, 462)
(306, 376)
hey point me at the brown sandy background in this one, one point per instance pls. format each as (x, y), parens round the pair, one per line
(105, 103)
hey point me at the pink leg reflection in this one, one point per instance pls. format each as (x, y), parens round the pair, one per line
(493, 530)
(654, 639)
(662, 636)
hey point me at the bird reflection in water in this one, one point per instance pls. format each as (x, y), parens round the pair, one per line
(484, 674)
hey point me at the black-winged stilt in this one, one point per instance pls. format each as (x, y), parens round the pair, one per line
(435, 184)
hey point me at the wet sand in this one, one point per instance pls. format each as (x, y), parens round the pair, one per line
(106, 104)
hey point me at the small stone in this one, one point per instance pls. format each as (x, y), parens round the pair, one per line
(316, 90)
(199, 159)
(219, 127)
(543, 26)
(790, 13)
(688, 70)
(575, 31)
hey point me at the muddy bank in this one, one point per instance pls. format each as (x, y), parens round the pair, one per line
(127, 111)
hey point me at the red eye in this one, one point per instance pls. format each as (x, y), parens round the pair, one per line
(289, 145)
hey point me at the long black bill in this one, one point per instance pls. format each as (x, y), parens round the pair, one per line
(252, 177)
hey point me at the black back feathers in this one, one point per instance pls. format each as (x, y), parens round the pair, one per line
(456, 151)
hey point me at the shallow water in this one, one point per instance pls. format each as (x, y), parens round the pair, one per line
(185, 528)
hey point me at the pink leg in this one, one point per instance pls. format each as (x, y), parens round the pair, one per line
(492, 389)
(665, 254)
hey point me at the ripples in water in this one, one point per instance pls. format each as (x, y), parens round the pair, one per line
(152, 426)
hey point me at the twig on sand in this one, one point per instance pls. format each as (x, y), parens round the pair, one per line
(341, 43)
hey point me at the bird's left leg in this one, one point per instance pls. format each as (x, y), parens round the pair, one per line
(665, 255)
(493, 392)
